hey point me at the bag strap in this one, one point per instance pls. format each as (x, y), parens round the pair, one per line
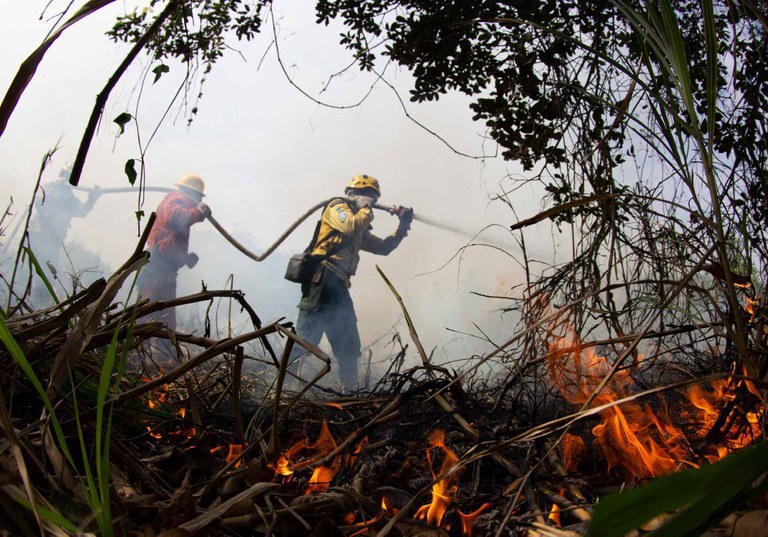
(311, 244)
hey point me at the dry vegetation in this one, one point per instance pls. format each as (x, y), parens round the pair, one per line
(638, 363)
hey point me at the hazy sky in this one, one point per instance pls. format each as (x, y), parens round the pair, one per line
(267, 153)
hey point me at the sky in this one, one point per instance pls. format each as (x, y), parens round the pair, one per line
(267, 153)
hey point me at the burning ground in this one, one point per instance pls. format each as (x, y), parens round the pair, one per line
(115, 424)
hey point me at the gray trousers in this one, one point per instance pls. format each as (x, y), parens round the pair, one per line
(326, 309)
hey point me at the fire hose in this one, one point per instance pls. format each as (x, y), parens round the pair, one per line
(224, 233)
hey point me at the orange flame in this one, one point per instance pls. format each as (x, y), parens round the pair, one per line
(364, 526)
(352, 458)
(387, 507)
(574, 450)
(325, 442)
(323, 475)
(632, 437)
(158, 396)
(751, 307)
(468, 521)
(709, 404)
(285, 464)
(554, 515)
(445, 489)
(234, 451)
(187, 433)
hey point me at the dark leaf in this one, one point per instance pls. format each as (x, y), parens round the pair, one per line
(121, 120)
(130, 170)
(159, 70)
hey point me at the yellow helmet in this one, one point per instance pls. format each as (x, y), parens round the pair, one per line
(365, 181)
(192, 181)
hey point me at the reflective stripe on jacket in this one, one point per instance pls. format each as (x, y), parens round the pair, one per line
(169, 237)
(341, 222)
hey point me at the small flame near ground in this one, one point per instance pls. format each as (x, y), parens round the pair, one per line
(160, 398)
(444, 490)
(468, 520)
(574, 452)
(554, 515)
(233, 452)
(634, 438)
(290, 460)
(323, 475)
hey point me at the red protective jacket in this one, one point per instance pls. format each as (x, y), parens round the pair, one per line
(169, 237)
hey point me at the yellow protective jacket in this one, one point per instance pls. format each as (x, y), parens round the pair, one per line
(340, 222)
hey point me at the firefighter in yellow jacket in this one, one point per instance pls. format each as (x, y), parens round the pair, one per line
(326, 306)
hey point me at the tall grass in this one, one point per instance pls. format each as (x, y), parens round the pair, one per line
(700, 494)
(95, 459)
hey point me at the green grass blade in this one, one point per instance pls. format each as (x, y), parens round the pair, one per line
(92, 495)
(678, 59)
(51, 516)
(41, 274)
(710, 492)
(710, 37)
(105, 380)
(102, 444)
(18, 355)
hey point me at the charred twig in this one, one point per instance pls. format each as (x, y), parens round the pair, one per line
(273, 448)
(389, 413)
(443, 399)
(101, 98)
(25, 234)
(213, 351)
(290, 334)
(236, 387)
(75, 306)
(213, 482)
(146, 308)
(202, 521)
(88, 325)
(567, 505)
(18, 321)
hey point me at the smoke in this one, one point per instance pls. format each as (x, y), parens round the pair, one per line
(67, 265)
(267, 153)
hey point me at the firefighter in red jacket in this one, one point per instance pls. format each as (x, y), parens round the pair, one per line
(168, 243)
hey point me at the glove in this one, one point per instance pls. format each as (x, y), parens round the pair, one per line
(192, 259)
(94, 194)
(204, 209)
(405, 214)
